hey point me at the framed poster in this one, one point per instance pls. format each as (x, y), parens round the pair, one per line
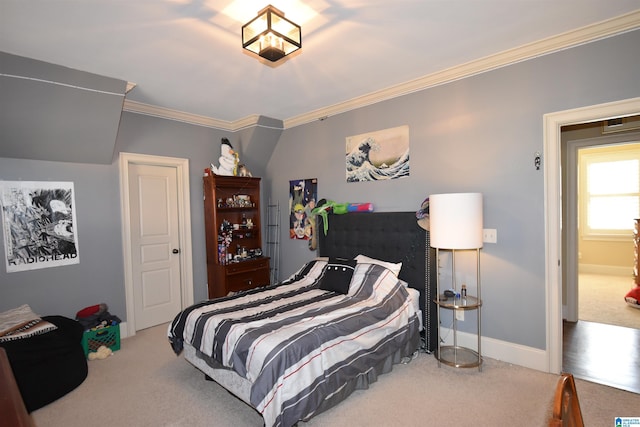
(39, 224)
(375, 156)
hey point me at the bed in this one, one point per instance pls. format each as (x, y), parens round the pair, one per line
(295, 349)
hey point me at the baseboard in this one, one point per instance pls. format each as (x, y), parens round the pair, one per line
(610, 270)
(124, 331)
(517, 354)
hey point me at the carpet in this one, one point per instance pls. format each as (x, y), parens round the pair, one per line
(601, 300)
(146, 384)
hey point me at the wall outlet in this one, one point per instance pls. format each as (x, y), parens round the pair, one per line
(460, 315)
(490, 235)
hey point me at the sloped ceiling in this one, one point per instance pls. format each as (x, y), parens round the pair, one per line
(55, 113)
(185, 55)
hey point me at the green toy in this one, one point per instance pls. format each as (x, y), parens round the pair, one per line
(326, 206)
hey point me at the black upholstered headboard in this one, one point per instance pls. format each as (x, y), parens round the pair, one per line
(393, 237)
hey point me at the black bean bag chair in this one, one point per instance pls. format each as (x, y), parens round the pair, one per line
(48, 366)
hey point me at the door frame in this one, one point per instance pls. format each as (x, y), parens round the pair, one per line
(184, 228)
(571, 260)
(552, 124)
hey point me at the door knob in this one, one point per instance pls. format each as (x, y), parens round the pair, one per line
(175, 251)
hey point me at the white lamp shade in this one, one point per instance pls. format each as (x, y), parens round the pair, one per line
(456, 220)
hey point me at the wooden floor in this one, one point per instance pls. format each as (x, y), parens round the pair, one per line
(603, 354)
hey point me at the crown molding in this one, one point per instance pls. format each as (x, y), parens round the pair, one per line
(608, 28)
(130, 87)
(593, 32)
(195, 119)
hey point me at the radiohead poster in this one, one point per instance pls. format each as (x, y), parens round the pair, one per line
(39, 224)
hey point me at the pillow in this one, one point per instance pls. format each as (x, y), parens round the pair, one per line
(22, 322)
(394, 267)
(337, 275)
(403, 283)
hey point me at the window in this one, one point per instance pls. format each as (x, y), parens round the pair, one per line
(610, 196)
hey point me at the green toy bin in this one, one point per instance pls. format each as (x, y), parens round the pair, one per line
(94, 338)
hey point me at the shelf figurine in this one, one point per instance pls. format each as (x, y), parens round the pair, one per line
(228, 160)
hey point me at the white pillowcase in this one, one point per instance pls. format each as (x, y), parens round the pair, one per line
(393, 267)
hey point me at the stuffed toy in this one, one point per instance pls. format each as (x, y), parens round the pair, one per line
(228, 160)
(102, 353)
(329, 206)
(633, 297)
(243, 171)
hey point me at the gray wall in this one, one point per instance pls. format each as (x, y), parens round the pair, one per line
(99, 276)
(477, 134)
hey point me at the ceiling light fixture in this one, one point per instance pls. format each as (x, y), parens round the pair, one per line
(271, 35)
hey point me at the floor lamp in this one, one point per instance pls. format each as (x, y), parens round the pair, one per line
(456, 224)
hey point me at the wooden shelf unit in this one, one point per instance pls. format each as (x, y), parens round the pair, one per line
(235, 200)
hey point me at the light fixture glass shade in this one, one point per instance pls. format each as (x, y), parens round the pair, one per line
(271, 35)
(456, 220)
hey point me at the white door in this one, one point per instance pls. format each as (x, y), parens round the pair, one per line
(155, 241)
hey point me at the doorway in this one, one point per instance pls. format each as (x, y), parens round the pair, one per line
(598, 320)
(553, 122)
(591, 259)
(144, 181)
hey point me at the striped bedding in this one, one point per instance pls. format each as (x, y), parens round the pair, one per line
(302, 348)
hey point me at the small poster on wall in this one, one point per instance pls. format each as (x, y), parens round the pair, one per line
(39, 224)
(303, 195)
(379, 155)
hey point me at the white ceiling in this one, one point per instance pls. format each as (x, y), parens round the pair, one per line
(186, 55)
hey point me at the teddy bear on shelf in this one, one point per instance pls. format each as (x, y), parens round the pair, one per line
(102, 353)
(228, 160)
(243, 171)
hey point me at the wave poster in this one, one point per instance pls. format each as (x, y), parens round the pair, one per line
(39, 224)
(378, 155)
